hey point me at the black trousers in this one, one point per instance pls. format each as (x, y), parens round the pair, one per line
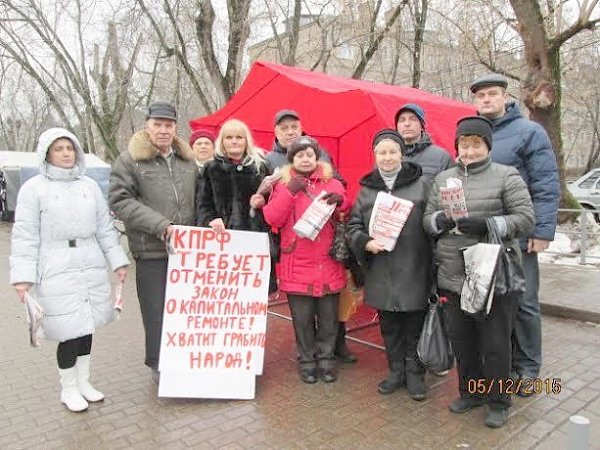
(68, 351)
(315, 322)
(400, 332)
(482, 348)
(151, 281)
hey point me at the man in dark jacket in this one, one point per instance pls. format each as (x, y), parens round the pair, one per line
(152, 187)
(287, 128)
(418, 148)
(525, 145)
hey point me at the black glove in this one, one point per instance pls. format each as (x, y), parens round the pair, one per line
(332, 198)
(296, 184)
(444, 223)
(475, 226)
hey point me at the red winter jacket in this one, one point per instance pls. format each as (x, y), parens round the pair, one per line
(305, 266)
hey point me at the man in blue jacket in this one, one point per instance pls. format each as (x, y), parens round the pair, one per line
(525, 145)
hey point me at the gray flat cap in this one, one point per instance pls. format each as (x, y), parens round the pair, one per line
(491, 79)
(161, 110)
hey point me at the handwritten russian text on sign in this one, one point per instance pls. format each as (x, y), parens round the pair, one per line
(215, 313)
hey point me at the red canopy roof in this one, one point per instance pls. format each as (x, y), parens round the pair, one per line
(343, 114)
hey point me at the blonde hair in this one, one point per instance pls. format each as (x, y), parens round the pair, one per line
(256, 154)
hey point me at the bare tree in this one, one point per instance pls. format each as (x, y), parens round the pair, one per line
(185, 49)
(287, 53)
(543, 38)
(24, 110)
(375, 36)
(97, 105)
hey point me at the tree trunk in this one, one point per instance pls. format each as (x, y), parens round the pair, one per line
(293, 34)
(419, 20)
(542, 87)
(543, 98)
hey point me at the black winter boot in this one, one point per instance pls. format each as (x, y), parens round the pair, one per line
(342, 352)
(415, 380)
(496, 418)
(395, 380)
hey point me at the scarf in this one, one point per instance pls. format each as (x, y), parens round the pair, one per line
(389, 178)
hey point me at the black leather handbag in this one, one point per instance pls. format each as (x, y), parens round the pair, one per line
(510, 278)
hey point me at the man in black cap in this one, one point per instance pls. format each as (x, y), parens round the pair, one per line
(525, 145)
(287, 128)
(418, 147)
(149, 206)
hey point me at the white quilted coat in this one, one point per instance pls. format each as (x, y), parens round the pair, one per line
(71, 282)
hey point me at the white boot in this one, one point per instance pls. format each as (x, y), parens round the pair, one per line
(83, 376)
(70, 394)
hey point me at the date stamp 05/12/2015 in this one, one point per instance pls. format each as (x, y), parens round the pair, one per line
(511, 386)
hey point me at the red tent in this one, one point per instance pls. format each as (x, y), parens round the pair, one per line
(343, 114)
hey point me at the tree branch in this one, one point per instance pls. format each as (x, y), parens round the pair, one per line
(374, 45)
(578, 26)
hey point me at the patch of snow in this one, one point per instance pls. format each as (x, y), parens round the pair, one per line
(566, 247)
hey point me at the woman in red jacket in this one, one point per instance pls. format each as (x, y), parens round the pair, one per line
(309, 276)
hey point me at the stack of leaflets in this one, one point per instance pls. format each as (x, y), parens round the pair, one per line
(314, 218)
(388, 218)
(453, 199)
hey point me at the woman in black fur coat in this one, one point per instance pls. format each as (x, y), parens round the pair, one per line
(230, 180)
(229, 183)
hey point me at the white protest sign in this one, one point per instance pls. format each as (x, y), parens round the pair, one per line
(215, 315)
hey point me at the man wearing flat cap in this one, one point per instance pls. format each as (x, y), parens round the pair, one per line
(525, 145)
(152, 188)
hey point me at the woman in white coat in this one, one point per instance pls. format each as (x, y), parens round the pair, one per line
(61, 239)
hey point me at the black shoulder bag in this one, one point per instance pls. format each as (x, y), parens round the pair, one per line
(510, 278)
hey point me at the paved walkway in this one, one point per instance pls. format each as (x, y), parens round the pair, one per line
(571, 292)
(286, 413)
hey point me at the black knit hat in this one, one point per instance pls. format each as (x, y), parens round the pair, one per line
(302, 143)
(388, 133)
(474, 126)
